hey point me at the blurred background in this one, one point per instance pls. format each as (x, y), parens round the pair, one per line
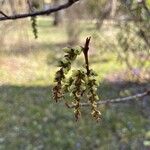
(119, 53)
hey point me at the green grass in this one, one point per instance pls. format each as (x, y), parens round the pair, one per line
(31, 120)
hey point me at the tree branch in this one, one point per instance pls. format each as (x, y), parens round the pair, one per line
(117, 100)
(3, 14)
(39, 13)
(85, 51)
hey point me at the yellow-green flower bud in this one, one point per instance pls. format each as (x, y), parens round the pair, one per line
(96, 97)
(72, 87)
(64, 61)
(93, 73)
(94, 88)
(78, 50)
(75, 72)
(67, 49)
(65, 70)
(82, 87)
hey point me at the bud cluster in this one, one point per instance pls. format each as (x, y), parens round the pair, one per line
(77, 89)
(57, 90)
(34, 27)
(65, 66)
(80, 85)
(91, 90)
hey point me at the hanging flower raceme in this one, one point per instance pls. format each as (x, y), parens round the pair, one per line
(80, 85)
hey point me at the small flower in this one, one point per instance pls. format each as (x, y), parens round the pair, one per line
(66, 49)
(78, 50)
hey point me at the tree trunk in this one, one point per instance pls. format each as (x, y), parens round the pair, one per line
(57, 15)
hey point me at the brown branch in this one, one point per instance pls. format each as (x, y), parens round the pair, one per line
(117, 100)
(40, 13)
(3, 14)
(85, 51)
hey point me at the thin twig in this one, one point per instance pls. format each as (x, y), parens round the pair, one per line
(117, 100)
(40, 13)
(85, 51)
(30, 6)
(3, 14)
